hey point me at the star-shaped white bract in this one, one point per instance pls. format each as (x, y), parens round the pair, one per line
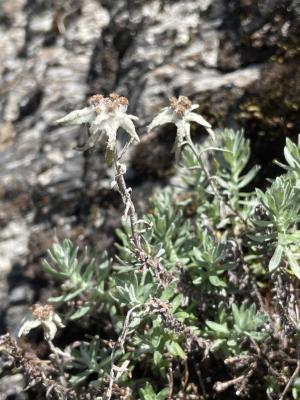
(105, 115)
(180, 112)
(45, 317)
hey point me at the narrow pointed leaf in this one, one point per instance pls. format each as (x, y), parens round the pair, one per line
(81, 312)
(198, 119)
(293, 262)
(276, 258)
(248, 177)
(78, 117)
(164, 117)
(217, 327)
(128, 126)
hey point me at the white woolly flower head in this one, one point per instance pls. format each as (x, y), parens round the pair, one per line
(44, 316)
(105, 115)
(180, 112)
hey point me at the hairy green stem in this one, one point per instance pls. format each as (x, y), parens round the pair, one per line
(127, 201)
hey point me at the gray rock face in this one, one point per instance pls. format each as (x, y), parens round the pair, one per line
(12, 387)
(158, 49)
(45, 63)
(55, 54)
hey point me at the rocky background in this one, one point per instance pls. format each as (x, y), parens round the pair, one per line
(238, 58)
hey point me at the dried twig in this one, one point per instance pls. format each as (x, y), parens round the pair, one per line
(171, 381)
(222, 386)
(161, 307)
(240, 381)
(292, 378)
(290, 382)
(38, 374)
(119, 343)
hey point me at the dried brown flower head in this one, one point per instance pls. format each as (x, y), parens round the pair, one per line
(42, 312)
(109, 104)
(180, 105)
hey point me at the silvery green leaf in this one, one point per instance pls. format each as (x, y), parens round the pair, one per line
(111, 139)
(183, 131)
(276, 258)
(160, 253)
(81, 312)
(217, 344)
(211, 133)
(292, 237)
(128, 126)
(133, 117)
(168, 292)
(216, 281)
(78, 117)
(100, 121)
(110, 128)
(290, 160)
(293, 262)
(248, 177)
(157, 357)
(237, 315)
(77, 379)
(175, 349)
(164, 117)
(263, 224)
(176, 302)
(260, 238)
(95, 136)
(194, 117)
(57, 320)
(73, 294)
(57, 299)
(291, 154)
(50, 329)
(217, 327)
(28, 326)
(231, 343)
(135, 322)
(222, 182)
(53, 272)
(197, 254)
(113, 184)
(181, 315)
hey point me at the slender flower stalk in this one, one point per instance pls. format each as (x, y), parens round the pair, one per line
(127, 201)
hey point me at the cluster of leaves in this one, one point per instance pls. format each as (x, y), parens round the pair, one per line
(202, 284)
(83, 278)
(277, 227)
(230, 330)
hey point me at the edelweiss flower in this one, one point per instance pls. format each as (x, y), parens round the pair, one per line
(105, 115)
(180, 112)
(45, 317)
